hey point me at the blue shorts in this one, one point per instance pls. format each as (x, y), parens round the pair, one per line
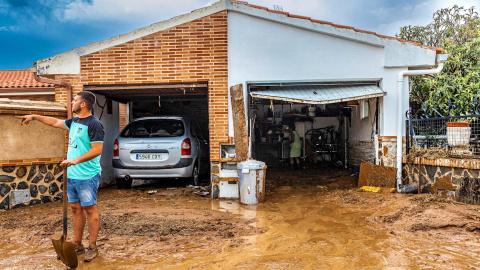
(83, 191)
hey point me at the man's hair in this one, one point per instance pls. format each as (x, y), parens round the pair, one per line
(87, 97)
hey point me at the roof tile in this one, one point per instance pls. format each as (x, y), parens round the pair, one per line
(20, 78)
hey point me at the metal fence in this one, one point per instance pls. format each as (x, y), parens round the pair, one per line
(461, 142)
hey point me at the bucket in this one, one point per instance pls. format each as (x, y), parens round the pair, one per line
(458, 136)
(251, 181)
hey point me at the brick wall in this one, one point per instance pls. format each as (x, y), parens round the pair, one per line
(122, 115)
(192, 52)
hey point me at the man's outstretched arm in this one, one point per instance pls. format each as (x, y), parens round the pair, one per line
(47, 120)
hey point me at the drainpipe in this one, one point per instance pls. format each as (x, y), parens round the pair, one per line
(401, 87)
(65, 84)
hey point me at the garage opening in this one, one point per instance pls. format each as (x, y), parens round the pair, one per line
(178, 99)
(336, 122)
(171, 146)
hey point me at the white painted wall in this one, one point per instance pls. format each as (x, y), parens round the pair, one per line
(110, 124)
(261, 50)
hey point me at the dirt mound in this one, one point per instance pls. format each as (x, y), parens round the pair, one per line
(426, 212)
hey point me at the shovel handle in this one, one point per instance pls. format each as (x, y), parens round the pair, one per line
(65, 203)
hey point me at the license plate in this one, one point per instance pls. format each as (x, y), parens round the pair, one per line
(149, 156)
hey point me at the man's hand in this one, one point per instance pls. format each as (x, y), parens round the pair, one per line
(25, 119)
(47, 120)
(68, 162)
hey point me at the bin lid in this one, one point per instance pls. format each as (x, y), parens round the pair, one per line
(251, 164)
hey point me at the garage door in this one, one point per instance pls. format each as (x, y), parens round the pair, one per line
(318, 94)
(134, 92)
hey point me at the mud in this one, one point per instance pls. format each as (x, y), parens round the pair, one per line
(310, 220)
(376, 176)
(442, 183)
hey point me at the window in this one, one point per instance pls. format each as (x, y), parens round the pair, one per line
(154, 128)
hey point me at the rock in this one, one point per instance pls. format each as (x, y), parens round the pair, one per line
(60, 178)
(4, 189)
(37, 178)
(58, 197)
(49, 177)
(8, 169)
(53, 189)
(35, 202)
(42, 189)
(13, 185)
(6, 178)
(18, 205)
(46, 199)
(33, 191)
(61, 187)
(42, 168)
(50, 166)
(22, 185)
(22, 170)
(5, 204)
(58, 169)
(32, 172)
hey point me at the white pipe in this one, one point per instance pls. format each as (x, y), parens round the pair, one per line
(401, 87)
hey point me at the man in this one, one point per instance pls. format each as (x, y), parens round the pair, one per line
(85, 144)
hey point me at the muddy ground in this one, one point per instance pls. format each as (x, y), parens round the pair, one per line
(314, 219)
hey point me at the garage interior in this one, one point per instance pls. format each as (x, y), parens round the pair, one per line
(322, 114)
(185, 99)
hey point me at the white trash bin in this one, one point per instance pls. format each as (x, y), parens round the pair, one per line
(251, 181)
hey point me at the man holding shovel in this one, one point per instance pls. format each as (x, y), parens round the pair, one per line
(85, 145)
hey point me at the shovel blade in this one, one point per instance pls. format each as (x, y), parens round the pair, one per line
(66, 251)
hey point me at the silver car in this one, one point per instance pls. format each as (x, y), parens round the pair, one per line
(160, 147)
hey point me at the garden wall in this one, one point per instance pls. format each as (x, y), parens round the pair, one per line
(456, 178)
(30, 154)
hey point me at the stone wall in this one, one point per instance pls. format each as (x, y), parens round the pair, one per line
(361, 151)
(43, 183)
(387, 151)
(457, 178)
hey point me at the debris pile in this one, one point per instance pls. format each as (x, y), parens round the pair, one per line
(428, 153)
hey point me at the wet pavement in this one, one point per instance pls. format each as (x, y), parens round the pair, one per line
(299, 227)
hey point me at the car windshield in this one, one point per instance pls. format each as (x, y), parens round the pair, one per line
(154, 128)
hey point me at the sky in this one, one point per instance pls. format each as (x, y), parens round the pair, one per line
(31, 30)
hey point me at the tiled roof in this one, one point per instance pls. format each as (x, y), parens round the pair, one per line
(20, 78)
(439, 50)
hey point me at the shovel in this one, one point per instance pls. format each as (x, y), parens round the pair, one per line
(65, 250)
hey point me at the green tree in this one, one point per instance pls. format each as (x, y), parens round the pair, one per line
(456, 90)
